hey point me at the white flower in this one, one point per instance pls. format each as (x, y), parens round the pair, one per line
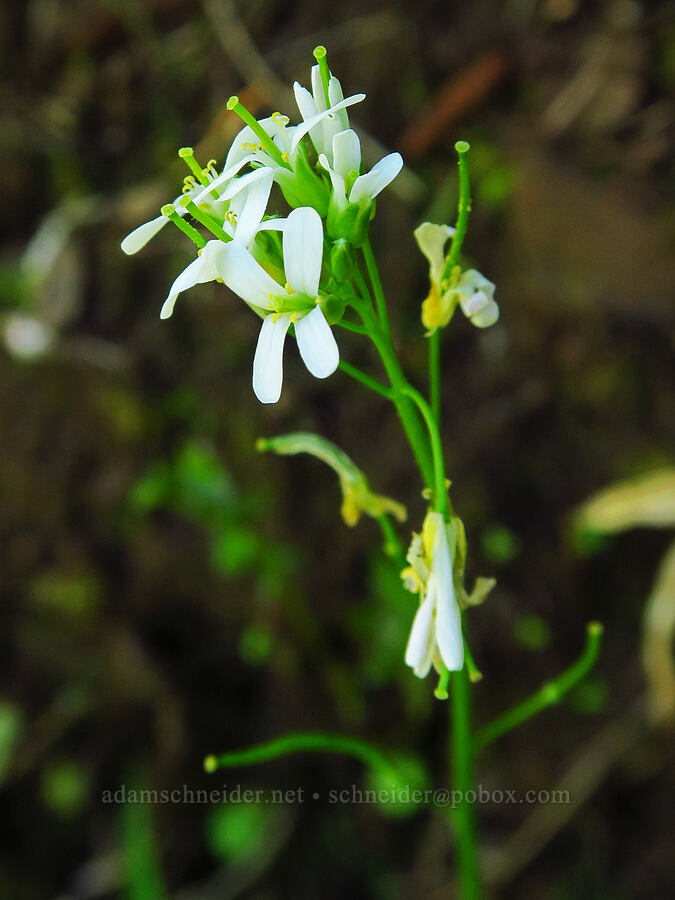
(139, 237)
(346, 154)
(248, 196)
(476, 297)
(321, 121)
(436, 634)
(296, 302)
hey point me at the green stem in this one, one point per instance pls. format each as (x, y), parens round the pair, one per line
(405, 408)
(366, 380)
(442, 499)
(463, 208)
(548, 694)
(362, 286)
(307, 741)
(435, 374)
(392, 543)
(464, 819)
(352, 326)
(374, 275)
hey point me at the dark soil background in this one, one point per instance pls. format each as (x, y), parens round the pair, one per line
(169, 593)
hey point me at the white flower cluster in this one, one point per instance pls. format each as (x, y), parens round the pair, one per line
(289, 270)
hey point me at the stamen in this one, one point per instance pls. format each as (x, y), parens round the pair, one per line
(169, 211)
(320, 57)
(238, 107)
(187, 154)
(280, 119)
(206, 220)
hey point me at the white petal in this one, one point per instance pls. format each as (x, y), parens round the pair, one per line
(317, 89)
(240, 145)
(346, 152)
(431, 239)
(255, 203)
(316, 344)
(273, 224)
(247, 278)
(474, 303)
(486, 316)
(303, 250)
(448, 622)
(199, 271)
(472, 278)
(339, 187)
(335, 96)
(140, 236)
(268, 361)
(302, 129)
(305, 101)
(221, 181)
(421, 634)
(369, 186)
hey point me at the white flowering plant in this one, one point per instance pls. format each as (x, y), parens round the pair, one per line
(309, 272)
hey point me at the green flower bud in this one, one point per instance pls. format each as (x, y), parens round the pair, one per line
(342, 259)
(332, 307)
(351, 222)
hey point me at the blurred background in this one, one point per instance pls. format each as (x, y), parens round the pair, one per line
(168, 593)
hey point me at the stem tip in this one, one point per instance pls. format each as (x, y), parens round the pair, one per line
(210, 764)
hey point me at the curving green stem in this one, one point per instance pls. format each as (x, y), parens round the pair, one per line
(301, 741)
(548, 694)
(399, 384)
(366, 380)
(442, 501)
(392, 543)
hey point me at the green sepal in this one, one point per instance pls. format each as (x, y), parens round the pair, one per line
(302, 186)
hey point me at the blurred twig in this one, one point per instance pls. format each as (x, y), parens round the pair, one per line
(581, 780)
(461, 94)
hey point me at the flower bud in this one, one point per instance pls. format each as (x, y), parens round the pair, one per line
(350, 223)
(332, 307)
(342, 259)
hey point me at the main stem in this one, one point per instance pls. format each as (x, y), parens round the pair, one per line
(432, 469)
(461, 740)
(464, 815)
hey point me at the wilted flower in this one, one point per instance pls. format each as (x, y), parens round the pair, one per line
(436, 634)
(471, 290)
